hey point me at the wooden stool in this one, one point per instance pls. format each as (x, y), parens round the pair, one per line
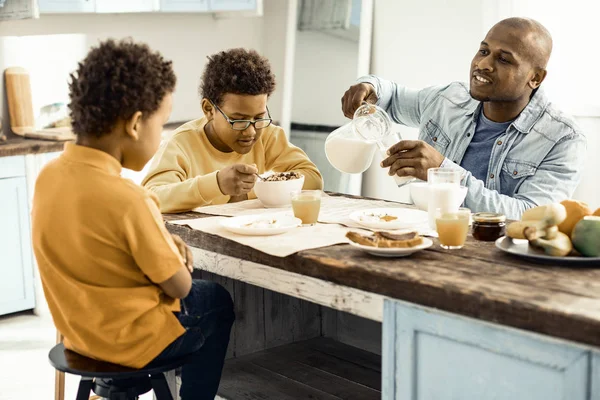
(112, 381)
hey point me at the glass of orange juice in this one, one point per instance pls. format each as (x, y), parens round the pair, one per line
(452, 227)
(306, 205)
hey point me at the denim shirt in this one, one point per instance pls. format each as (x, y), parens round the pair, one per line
(538, 160)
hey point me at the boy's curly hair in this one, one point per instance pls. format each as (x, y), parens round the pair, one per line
(115, 80)
(237, 71)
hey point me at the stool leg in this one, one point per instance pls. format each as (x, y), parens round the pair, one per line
(85, 388)
(160, 387)
(59, 377)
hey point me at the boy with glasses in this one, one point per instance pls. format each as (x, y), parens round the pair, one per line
(215, 159)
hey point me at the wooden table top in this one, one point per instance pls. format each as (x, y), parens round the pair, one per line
(17, 146)
(477, 281)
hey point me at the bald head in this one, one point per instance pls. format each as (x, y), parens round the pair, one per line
(534, 37)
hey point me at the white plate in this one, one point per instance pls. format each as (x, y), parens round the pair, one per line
(521, 248)
(261, 225)
(393, 251)
(406, 218)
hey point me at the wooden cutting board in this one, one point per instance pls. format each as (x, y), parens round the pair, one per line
(20, 108)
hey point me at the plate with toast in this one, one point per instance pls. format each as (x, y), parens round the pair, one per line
(389, 218)
(386, 244)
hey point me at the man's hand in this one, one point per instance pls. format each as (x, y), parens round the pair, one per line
(355, 96)
(185, 252)
(412, 158)
(237, 179)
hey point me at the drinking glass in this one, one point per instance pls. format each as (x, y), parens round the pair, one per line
(306, 205)
(444, 190)
(452, 227)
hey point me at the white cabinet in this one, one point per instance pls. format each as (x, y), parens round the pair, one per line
(132, 6)
(129, 6)
(67, 6)
(233, 5)
(184, 5)
(16, 260)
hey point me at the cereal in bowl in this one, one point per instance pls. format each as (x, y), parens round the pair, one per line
(283, 176)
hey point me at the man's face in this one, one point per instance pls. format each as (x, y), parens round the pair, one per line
(239, 107)
(501, 70)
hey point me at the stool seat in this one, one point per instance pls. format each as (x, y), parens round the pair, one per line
(71, 362)
(113, 380)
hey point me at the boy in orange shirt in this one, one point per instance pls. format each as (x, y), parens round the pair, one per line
(111, 272)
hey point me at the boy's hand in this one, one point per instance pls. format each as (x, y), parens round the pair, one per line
(185, 252)
(237, 199)
(237, 179)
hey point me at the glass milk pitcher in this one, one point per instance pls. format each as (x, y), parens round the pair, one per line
(351, 147)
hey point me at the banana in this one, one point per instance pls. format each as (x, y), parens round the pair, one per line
(560, 246)
(550, 214)
(516, 230)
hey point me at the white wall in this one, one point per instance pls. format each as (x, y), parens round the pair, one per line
(589, 188)
(279, 36)
(325, 66)
(419, 44)
(51, 46)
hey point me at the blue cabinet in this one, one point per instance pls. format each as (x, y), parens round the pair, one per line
(429, 354)
(184, 5)
(67, 6)
(16, 260)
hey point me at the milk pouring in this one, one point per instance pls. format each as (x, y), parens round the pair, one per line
(347, 152)
(351, 147)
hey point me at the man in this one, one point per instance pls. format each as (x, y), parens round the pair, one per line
(215, 159)
(513, 148)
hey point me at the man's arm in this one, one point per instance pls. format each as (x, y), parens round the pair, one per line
(404, 105)
(555, 180)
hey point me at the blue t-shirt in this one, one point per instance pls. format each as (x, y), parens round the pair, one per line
(477, 157)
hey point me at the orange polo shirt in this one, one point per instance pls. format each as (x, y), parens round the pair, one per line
(102, 247)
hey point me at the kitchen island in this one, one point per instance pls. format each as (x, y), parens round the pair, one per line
(473, 323)
(20, 162)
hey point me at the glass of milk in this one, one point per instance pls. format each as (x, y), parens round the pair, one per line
(444, 188)
(383, 146)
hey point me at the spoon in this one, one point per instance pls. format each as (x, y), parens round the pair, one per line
(261, 178)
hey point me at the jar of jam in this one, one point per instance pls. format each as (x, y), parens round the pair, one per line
(488, 227)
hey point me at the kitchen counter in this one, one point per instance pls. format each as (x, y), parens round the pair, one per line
(18, 146)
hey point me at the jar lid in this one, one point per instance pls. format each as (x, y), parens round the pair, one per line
(488, 217)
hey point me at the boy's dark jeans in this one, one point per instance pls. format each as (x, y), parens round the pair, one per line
(207, 315)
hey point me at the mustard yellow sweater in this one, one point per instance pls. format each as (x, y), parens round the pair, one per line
(183, 174)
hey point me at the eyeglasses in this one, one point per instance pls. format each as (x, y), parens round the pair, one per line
(243, 124)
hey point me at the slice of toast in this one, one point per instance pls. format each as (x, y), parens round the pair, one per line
(385, 239)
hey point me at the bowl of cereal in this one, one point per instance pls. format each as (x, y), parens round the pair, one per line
(274, 189)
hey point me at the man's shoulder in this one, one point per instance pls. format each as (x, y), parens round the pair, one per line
(557, 124)
(560, 117)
